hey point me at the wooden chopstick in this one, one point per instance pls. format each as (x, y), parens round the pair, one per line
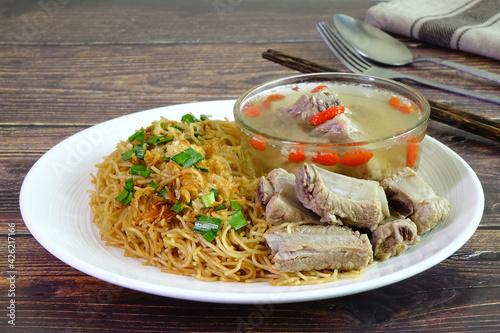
(472, 123)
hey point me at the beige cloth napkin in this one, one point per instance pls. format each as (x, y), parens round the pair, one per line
(467, 25)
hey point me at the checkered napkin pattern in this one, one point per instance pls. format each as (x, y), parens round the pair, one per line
(466, 25)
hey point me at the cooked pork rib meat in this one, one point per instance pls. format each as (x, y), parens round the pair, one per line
(393, 237)
(410, 196)
(339, 199)
(276, 193)
(310, 104)
(338, 129)
(309, 247)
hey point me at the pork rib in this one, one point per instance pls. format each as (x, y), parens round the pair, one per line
(340, 199)
(393, 237)
(308, 247)
(410, 196)
(276, 193)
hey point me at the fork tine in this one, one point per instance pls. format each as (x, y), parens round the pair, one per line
(344, 53)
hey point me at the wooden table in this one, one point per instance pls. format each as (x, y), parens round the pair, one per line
(67, 65)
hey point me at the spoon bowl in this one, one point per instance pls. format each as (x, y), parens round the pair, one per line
(374, 44)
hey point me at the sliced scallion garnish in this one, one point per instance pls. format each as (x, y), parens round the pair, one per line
(162, 192)
(208, 199)
(126, 195)
(122, 196)
(207, 226)
(188, 119)
(140, 169)
(187, 158)
(153, 185)
(220, 207)
(202, 168)
(139, 136)
(235, 205)
(139, 151)
(177, 207)
(237, 220)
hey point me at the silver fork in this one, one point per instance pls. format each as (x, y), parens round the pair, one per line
(357, 64)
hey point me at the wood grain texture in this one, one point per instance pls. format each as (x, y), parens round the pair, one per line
(66, 65)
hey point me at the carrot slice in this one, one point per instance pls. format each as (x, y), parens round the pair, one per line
(411, 152)
(405, 109)
(328, 114)
(318, 88)
(296, 156)
(253, 111)
(328, 159)
(395, 102)
(275, 97)
(257, 144)
(356, 157)
(266, 103)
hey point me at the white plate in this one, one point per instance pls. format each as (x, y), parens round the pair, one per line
(54, 205)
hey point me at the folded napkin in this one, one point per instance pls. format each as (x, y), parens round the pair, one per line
(467, 25)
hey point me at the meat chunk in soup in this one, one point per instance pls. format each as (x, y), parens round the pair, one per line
(312, 103)
(340, 199)
(393, 237)
(410, 196)
(338, 129)
(276, 193)
(307, 247)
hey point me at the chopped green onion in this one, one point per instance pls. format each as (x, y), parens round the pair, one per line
(153, 185)
(122, 196)
(128, 199)
(207, 225)
(208, 199)
(188, 157)
(165, 140)
(160, 139)
(203, 117)
(140, 169)
(166, 158)
(129, 184)
(139, 136)
(128, 155)
(177, 127)
(136, 169)
(162, 125)
(188, 119)
(126, 195)
(202, 168)
(139, 151)
(216, 192)
(177, 207)
(162, 192)
(146, 173)
(210, 235)
(235, 205)
(237, 220)
(220, 207)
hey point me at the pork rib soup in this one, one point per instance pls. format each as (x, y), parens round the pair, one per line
(353, 129)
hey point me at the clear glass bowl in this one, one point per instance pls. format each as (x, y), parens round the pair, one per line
(273, 143)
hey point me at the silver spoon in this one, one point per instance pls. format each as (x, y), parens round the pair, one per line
(375, 44)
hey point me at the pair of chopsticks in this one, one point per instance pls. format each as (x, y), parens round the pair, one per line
(443, 113)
